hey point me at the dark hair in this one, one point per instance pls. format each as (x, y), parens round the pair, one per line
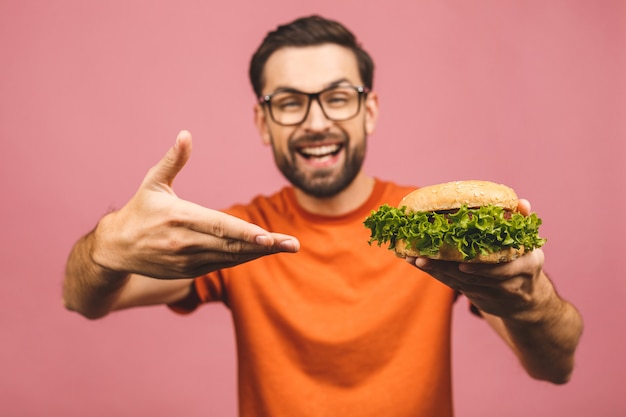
(308, 31)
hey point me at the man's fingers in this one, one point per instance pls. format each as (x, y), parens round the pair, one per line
(529, 261)
(286, 243)
(523, 206)
(226, 228)
(230, 249)
(170, 165)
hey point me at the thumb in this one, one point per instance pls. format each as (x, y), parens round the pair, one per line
(523, 206)
(174, 160)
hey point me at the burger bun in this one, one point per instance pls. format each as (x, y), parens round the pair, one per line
(453, 195)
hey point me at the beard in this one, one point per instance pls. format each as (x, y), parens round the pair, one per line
(322, 183)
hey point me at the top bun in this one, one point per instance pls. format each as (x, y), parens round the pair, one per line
(453, 195)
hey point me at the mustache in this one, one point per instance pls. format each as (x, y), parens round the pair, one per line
(307, 139)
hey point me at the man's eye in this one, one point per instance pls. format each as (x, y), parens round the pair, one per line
(336, 100)
(289, 104)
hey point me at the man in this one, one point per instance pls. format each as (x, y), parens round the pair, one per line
(334, 326)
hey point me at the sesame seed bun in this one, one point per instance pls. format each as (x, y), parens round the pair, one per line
(453, 195)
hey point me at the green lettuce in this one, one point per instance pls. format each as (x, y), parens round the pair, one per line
(472, 231)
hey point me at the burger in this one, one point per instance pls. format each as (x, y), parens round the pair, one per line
(461, 221)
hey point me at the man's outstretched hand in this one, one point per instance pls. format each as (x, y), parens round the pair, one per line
(159, 235)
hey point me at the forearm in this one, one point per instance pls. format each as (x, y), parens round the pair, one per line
(88, 288)
(545, 337)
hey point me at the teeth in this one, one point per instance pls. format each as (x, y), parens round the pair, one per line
(320, 150)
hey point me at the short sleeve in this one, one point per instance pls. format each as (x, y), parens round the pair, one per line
(204, 289)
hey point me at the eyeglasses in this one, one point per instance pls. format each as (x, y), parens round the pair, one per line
(291, 107)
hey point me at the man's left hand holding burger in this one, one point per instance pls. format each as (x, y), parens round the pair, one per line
(519, 301)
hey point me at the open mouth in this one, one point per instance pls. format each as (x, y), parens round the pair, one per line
(320, 152)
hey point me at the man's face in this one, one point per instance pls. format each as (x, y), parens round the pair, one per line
(319, 156)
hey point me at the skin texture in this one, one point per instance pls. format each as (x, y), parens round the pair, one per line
(519, 301)
(158, 235)
(146, 252)
(311, 69)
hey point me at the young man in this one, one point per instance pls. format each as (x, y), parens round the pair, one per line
(336, 326)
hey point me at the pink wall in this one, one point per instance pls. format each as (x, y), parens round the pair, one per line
(530, 93)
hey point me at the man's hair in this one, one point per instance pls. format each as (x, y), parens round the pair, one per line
(308, 31)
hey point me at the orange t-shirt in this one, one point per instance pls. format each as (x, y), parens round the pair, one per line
(339, 328)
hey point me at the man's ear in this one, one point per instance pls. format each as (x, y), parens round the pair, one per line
(371, 112)
(260, 120)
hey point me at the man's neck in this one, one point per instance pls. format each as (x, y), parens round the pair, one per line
(346, 201)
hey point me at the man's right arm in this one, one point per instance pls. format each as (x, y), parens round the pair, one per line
(147, 252)
(94, 291)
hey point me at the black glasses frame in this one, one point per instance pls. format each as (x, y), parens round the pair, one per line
(266, 101)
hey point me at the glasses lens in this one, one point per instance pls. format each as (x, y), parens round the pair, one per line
(338, 104)
(289, 107)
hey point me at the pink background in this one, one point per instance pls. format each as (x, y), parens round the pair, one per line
(529, 93)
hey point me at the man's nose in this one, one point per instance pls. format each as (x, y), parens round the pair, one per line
(316, 120)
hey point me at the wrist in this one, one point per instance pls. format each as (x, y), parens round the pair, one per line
(541, 306)
(101, 251)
